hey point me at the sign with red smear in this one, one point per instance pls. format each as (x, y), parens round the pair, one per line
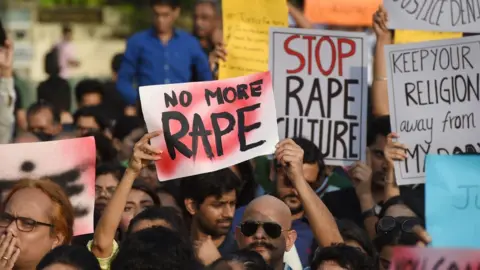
(208, 126)
(406, 258)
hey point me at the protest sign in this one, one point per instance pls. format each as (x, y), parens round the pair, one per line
(320, 82)
(413, 258)
(69, 163)
(433, 91)
(452, 200)
(341, 12)
(208, 126)
(245, 33)
(411, 36)
(434, 15)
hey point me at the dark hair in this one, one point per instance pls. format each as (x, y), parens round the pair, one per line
(117, 62)
(169, 214)
(44, 105)
(88, 86)
(155, 248)
(125, 125)
(76, 256)
(248, 191)
(66, 29)
(395, 237)
(217, 183)
(345, 256)
(251, 260)
(96, 113)
(106, 152)
(350, 231)
(378, 126)
(114, 168)
(172, 188)
(56, 91)
(171, 3)
(140, 185)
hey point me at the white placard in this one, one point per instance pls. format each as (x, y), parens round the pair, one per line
(208, 126)
(320, 84)
(434, 100)
(434, 15)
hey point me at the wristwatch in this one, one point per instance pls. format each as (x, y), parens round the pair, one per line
(369, 213)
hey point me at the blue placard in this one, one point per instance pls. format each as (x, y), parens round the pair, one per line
(453, 200)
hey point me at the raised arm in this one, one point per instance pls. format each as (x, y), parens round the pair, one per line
(128, 71)
(322, 223)
(379, 88)
(300, 20)
(7, 93)
(103, 239)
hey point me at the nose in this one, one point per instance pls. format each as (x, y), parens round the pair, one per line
(228, 211)
(260, 234)
(12, 228)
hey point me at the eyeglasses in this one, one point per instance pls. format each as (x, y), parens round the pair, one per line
(108, 190)
(23, 224)
(272, 229)
(387, 224)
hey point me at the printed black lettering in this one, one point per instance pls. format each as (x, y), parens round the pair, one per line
(217, 94)
(293, 94)
(348, 99)
(256, 88)
(332, 93)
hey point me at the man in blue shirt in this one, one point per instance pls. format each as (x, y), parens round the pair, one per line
(161, 54)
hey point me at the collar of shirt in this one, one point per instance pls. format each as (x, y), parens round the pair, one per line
(154, 33)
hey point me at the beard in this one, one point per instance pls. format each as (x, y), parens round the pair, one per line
(293, 209)
(214, 230)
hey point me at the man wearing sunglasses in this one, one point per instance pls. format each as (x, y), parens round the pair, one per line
(266, 225)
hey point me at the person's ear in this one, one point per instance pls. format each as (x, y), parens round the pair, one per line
(291, 238)
(58, 240)
(190, 206)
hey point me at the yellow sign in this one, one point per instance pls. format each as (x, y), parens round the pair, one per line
(411, 36)
(245, 33)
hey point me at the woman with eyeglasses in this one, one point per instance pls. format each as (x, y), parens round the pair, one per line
(36, 217)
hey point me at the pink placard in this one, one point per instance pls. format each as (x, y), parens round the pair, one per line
(406, 258)
(70, 163)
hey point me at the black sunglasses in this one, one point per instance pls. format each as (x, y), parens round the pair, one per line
(387, 224)
(272, 229)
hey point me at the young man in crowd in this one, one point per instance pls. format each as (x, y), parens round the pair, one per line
(44, 120)
(314, 172)
(162, 54)
(266, 225)
(209, 201)
(91, 119)
(206, 19)
(365, 200)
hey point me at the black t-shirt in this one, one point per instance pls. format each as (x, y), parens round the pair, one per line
(228, 246)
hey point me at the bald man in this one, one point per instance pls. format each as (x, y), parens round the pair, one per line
(266, 229)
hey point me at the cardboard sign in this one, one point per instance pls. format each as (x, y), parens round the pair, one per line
(320, 82)
(245, 33)
(411, 36)
(208, 126)
(69, 163)
(411, 258)
(452, 200)
(434, 15)
(433, 91)
(341, 12)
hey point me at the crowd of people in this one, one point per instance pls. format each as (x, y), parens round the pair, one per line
(284, 212)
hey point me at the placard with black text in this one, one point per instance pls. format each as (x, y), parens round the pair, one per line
(320, 84)
(434, 15)
(208, 126)
(434, 99)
